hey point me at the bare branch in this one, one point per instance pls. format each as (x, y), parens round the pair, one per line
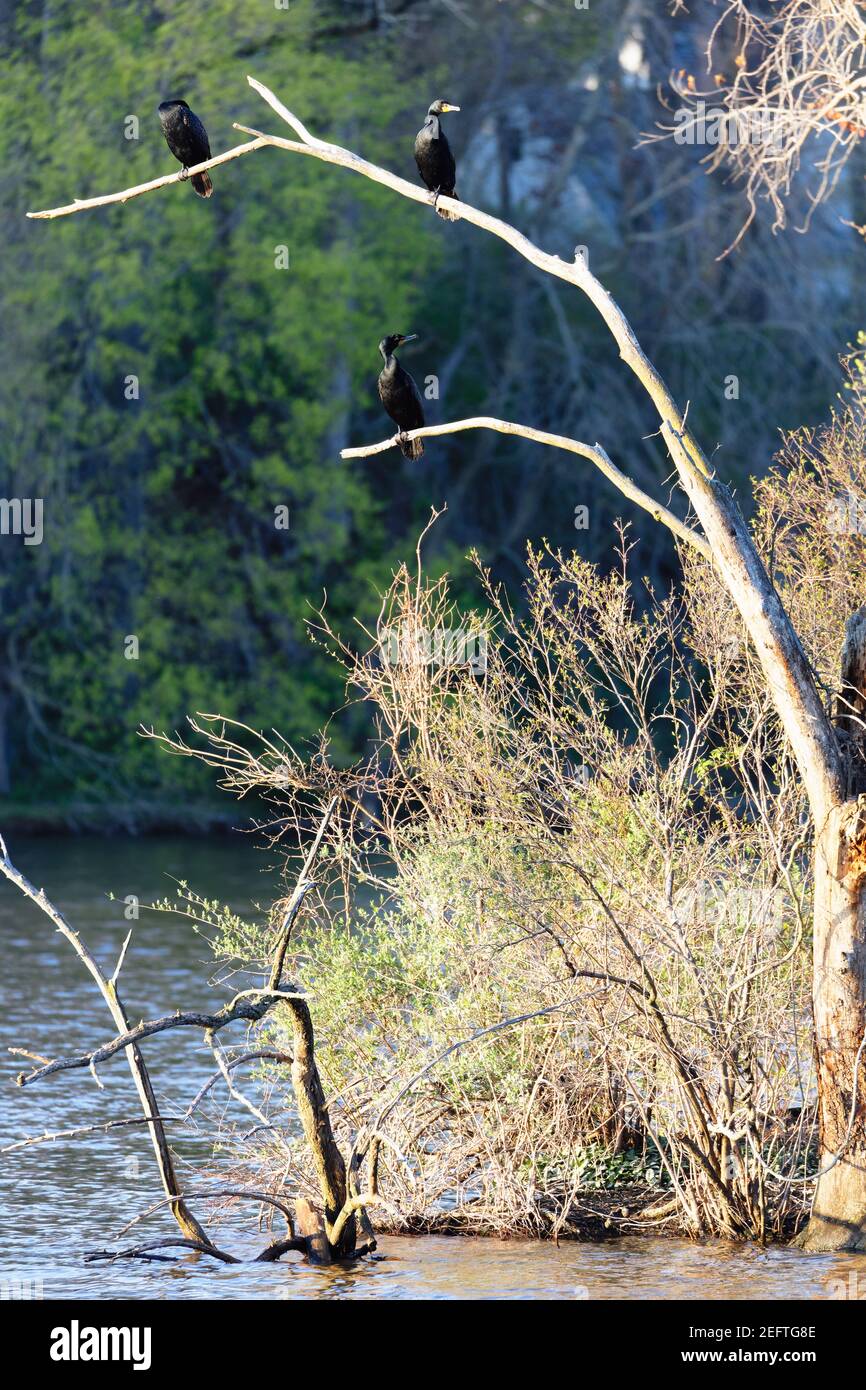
(52, 1136)
(108, 989)
(263, 1053)
(251, 1006)
(794, 98)
(145, 1251)
(239, 1096)
(206, 1194)
(84, 204)
(301, 888)
(594, 452)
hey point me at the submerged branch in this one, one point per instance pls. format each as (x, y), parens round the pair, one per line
(145, 1252)
(140, 1075)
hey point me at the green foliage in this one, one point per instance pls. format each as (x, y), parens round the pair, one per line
(160, 511)
(594, 1168)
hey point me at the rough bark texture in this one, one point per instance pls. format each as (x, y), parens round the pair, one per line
(312, 1229)
(838, 1219)
(313, 1112)
(849, 714)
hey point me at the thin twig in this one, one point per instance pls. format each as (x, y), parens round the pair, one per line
(263, 1053)
(51, 1136)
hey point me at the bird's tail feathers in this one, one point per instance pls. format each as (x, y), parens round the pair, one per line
(412, 448)
(202, 185)
(445, 213)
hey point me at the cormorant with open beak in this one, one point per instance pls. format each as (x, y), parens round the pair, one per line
(400, 396)
(434, 158)
(187, 139)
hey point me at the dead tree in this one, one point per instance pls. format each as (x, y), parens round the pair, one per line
(839, 819)
(323, 1237)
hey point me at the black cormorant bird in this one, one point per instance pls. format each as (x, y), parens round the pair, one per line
(400, 396)
(434, 158)
(187, 139)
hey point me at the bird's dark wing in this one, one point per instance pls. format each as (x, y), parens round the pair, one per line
(198, 136)
(447, 167)
(412, 406)
(423, 158)
(402, 399)
(435, 162)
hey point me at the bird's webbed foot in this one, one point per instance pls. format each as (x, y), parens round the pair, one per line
(184, 174)
(402, 438)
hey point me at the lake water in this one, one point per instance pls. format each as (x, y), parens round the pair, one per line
(63, 1198)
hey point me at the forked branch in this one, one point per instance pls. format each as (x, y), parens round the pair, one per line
(108, 989)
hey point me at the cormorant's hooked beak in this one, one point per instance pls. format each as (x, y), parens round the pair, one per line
(446, 106)
(407, 338)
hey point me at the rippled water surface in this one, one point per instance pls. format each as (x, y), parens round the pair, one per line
(63, 1198)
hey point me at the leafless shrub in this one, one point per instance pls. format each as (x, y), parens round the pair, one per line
(580, 927)
(782, 76)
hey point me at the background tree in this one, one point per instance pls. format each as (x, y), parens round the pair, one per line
(160, 510)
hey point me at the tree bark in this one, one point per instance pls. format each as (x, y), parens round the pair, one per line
(838, 1220)
(313, 1113)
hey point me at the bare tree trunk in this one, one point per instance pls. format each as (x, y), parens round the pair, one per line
(838, 1220)
(309, 1093)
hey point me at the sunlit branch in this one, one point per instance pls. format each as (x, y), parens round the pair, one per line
(594, 452)
(83, 204)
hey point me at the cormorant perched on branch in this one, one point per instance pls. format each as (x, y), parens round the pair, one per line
(434, 158)
(400, 396)
(187, 139)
